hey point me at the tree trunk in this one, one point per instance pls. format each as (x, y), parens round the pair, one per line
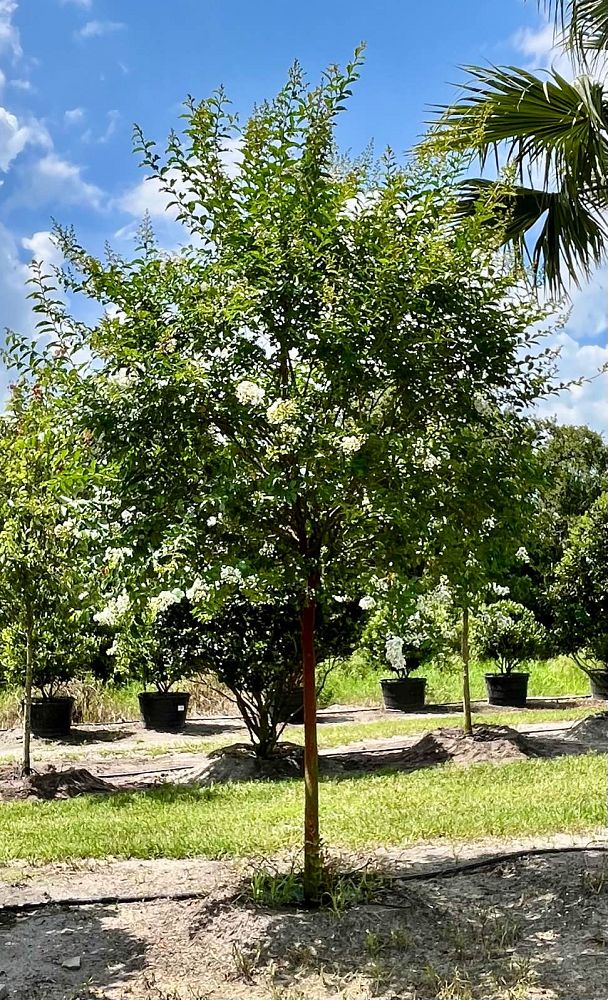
(312, 842)
(27, 701)
(466, 688)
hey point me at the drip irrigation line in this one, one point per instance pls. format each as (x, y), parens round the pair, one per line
(452, 871)
(75, 902)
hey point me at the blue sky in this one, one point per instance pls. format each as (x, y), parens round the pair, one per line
(76, 74)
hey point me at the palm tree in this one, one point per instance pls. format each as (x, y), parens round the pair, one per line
(555, 132)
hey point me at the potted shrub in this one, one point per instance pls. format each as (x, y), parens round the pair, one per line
(407, 632)
(64, 647)
(402, 692)
(507, 634)
(158, 644)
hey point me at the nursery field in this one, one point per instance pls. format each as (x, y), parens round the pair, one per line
(350, 682)
(231, 849)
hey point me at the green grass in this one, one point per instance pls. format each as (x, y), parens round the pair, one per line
(332, 735)
(565, 795)
(355, 682)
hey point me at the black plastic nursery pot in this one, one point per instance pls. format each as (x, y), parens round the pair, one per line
(403, 694)
(51, 718)
(292, 708)
(599, 684)
(165, 711)
(509, 690)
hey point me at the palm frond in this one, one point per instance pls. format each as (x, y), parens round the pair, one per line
(572, 238)
(550, 124)
(583, 22)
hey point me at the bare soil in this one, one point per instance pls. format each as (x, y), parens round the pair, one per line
(522, 930)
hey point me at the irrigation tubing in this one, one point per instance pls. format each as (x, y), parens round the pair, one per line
(452, 871)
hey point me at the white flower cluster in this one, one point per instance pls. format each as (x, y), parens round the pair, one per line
(124, 378)
(116, 557)
(249, 394)
(351, 444)
(113, 611)
(281, 410)
(482, 404)
(426, 458)
(165, 599)
(394, 652)
(522, 554)
(498, 590)
(230, 574)
(198, 592)
(67, 529)
(367, 603)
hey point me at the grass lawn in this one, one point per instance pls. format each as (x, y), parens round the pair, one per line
(565, 795)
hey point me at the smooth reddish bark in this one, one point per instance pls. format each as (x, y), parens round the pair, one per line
(312, 843)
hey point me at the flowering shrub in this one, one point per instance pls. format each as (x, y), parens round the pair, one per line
(508, 634)
(407, 631)
(158, 642)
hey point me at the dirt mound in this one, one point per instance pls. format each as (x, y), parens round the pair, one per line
(592, 731)
(441, 746)
(239, 763)
(52, 784)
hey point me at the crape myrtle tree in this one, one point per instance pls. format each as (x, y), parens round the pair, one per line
(46, 564)
(483, 513)
(277, 393)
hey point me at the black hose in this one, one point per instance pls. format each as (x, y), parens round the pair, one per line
(466, 868)
(71, 903)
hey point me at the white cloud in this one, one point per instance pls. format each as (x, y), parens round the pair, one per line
(537, 45)
(9, 34)
(96, 29)
(16, 135)
(25, 85)
(586, 403)
(112, 120)
(73, 116)
(146, 197)
(2, 80)
(85, 4)
(42, 248)
(16, 311)
(53, 179)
